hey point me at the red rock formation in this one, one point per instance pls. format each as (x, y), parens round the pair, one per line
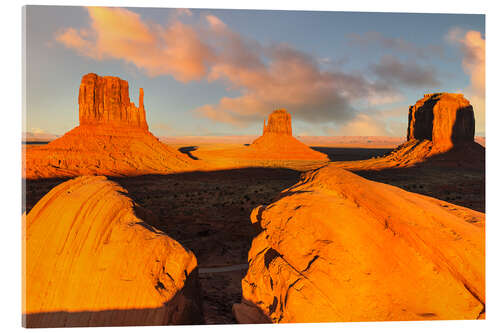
(440, 130)
(279, 122)
(112, 139)
(277, 142)
(105, 100)
(275, 147)
(92, 258)
(337, 247)
(443, 118)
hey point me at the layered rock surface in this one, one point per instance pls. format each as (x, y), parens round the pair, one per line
(338, 247)
(93, 259)
(443, 118)
(112, 138)
(279, 122)
(105, 100)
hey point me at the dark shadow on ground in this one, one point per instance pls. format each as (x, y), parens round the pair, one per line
(457, 176)
(351, 154)
(188, 150)
(208, 213)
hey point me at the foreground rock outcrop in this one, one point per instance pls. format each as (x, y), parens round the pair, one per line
(441, 129)
(338, 247)
(112, 138)
(93, 259)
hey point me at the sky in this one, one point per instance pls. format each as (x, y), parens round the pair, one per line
(221, 72)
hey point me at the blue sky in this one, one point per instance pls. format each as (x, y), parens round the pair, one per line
(220, 72)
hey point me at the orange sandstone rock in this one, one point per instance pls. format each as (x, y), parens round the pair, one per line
(279, 122)
(93, 259)
(440, 130)
(445, 119)
(112, 139)
(275, 148)
(105, 100)
(277, 142)
(338, 247)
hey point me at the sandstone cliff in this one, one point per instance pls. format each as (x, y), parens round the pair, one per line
(278, 143)
(105, 100)
(93, 259)
(441, 130)
(279, 122)
(337, 247)
(443, 118)
(112, 138)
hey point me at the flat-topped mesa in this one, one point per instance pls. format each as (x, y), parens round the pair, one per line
(446, 119)
(279, 122)
(104, 100)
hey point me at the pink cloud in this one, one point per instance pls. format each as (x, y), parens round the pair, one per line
(117, 33)
(267, 76)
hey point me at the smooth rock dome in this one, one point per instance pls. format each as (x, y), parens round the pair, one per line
(92, 258)
(337, 247)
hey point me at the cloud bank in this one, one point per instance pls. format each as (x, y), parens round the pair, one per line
(266, 77)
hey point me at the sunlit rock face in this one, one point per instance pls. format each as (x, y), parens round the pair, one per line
(338, 247)
(104, 100)
(443, 118)
(279, 122)
(92, 258)
(441, 129)
(277, 142)
(112, 138)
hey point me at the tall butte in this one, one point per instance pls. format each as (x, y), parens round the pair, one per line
(105, 101)
(440, 131)
(112, 139)
(278, 143)
(443, 118)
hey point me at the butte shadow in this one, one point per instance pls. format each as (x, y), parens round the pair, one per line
(440, 157)
(440, 132)
(208, 212)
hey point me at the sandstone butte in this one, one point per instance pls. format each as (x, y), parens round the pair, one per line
(441, 130)
(276, 144)
(338, 247)
(112, 138)
(92, 258)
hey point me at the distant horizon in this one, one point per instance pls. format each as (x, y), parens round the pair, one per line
(221, 72)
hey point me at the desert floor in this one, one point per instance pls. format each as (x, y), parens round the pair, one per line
(208, 212)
